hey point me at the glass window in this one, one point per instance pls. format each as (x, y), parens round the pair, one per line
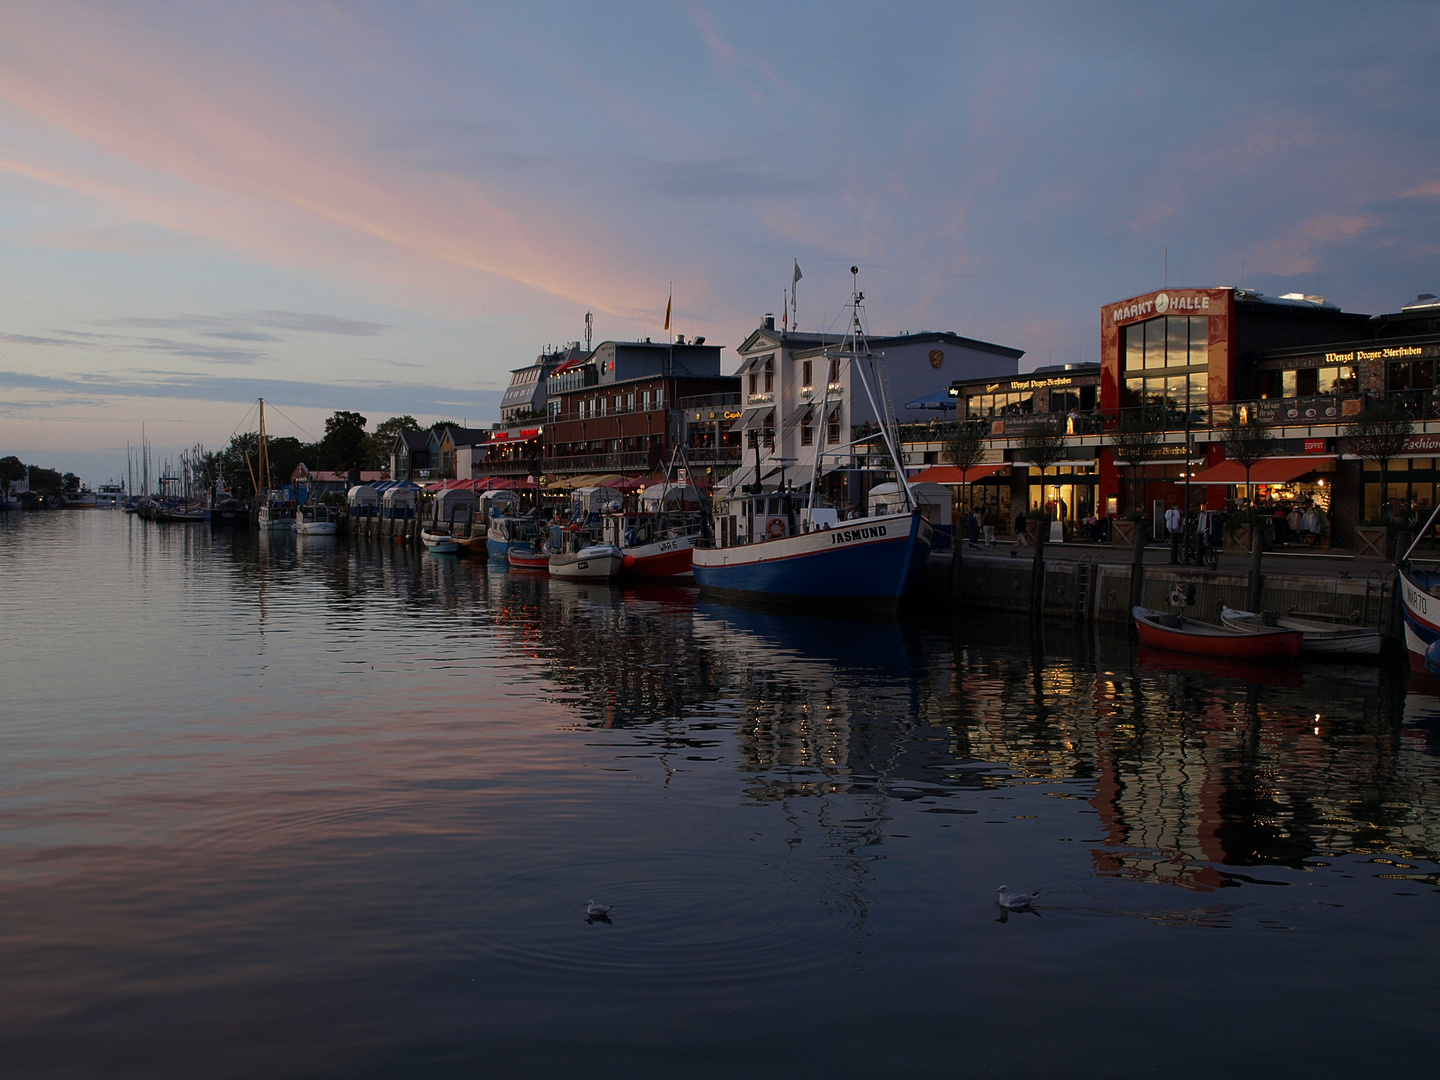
(834, 369)
(1155, 343)
(629, 401)
(1307, 382)
(1288, 382)
(769, 375)
(1134, 392)
(805, 373)
(1199, 340)
(1177, 388)
(832, 432)
(754, 383)
(660, 398)
(1199, 389)
(1268, 384)
(1400, 376)
(1422, 374)
(1135, 347)
(807, 436)
(1177, 341)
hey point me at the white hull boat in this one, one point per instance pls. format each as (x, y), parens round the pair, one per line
(1317, 638)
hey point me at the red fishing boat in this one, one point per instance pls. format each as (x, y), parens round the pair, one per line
(1163, 631)
(526, 557)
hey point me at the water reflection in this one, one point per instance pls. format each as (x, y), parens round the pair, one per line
(369, 789)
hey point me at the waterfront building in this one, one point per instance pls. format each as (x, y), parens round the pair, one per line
(1065, 396)
(525, 398)
(617, 409)
(800, 399)
(1185, 361)
(410, 455)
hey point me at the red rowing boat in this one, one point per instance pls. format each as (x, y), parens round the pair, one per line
(525, 557)
(1181, 635)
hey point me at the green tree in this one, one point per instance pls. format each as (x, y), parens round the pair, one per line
(70, 482)
(344, 445)
(1379, 434)
(1246, 444)
(964, 447)
(382, 439)
(1135, 441)
(1043, 445)
(11, 469)
(46, 481)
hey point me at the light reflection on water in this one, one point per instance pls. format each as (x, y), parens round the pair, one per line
(314, 808)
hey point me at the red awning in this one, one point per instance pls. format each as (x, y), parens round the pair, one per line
(951, 474)
(1275, 470)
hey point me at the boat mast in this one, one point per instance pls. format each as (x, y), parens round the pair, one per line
(857, 339)
(263, 456)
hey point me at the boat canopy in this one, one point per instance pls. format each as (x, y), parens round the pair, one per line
(497, 501)
(934, 500)
(401, 494)
(451, 499)
(594, 500)
(670, 496)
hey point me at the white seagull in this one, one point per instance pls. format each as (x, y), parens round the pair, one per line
(1019, 900)
(595, 910)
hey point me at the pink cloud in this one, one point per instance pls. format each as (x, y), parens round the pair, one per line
(224, 155)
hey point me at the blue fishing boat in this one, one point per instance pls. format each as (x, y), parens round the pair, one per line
(867, 562)
(783, 544)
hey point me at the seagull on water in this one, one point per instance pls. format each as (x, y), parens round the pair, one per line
(1004, 898)
(595, 910)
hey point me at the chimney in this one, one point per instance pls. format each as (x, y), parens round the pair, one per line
(769, 322)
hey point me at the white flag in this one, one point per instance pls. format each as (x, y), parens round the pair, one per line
(798, 275)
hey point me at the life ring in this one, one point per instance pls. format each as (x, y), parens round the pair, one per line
(776, 528)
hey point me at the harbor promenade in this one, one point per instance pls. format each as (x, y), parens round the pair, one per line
(1100, 583)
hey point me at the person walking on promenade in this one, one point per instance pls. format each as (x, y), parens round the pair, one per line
(988, 523)
(1174, 524)
(1021, 538)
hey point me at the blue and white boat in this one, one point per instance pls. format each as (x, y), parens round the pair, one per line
(783, 545)
(1420, 603)
(505, 532)
(868, 562)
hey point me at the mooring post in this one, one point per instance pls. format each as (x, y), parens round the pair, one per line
(1137, 565)
(1037, 572)
(955, 571)
(1256, 540)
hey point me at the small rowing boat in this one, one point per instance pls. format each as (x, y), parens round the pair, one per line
(526, 557)
(439, 542)
(1178, 634)
(1326, 639)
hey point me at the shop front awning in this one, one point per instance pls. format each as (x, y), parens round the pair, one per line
(951, 474)
(1275, 470)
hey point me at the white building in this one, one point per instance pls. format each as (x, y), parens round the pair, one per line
(800, 397)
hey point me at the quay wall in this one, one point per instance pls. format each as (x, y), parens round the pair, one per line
(1094, 591)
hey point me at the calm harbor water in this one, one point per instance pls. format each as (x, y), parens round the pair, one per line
(295, 808)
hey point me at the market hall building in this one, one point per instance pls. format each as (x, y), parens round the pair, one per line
(1192, 358)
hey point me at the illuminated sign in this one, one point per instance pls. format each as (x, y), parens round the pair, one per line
(1314, 446)
(1160, 304)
